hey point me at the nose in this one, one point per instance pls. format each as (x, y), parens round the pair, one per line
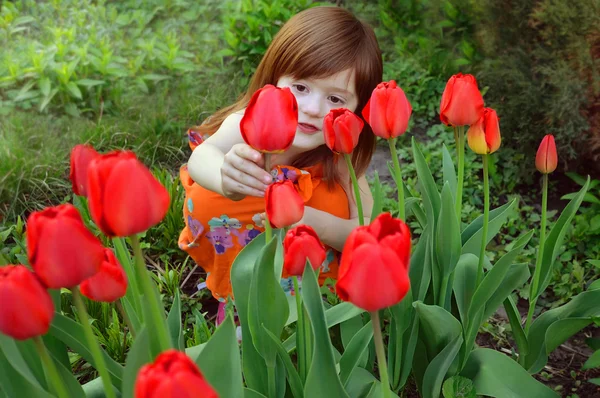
(311, 106)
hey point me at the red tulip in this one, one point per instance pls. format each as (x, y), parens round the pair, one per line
(124, 196)
(81, 156)
(61, 250)
(299, 244)
(388, 110)
(270, 121)
(27, 308)
(484, 136)
(546, 159)
(109, 284)
(284, 205)
(373, 271)
(462, 103)
(342, 129)
(172, 375)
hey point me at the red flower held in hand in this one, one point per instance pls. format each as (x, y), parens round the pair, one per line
(342, 129)
(124, 196)
(270, 121)
(109, 284)
(484, 136)
(27, 308)
(300, 243)
(172, 375)
(81, 156)
(61, 250)
(462, 103)
(373, 272)
(388, 110)
(546, 159)
(284, 206)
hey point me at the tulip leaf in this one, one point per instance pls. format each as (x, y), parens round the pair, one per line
(471, 236)
(134, 292)
(18, 383)
(248, 393)
(353, 353)
(438, 368)
(401, 316)
(413, 206)
(437, 326)
(219, 361)
(138, 356)
(363, 384)
(174, 323)
(322, 379)
(514, 317)
(408, 350)
(448, 245)
(449, 174)
(553, 327)
(496, 375)
(421, 264)
(465, 277)
(291, 372)
(592, 362)
(555, 239)
(71, 333)
(19, 364)
(428, 189)
(516, 277)
(377, 197)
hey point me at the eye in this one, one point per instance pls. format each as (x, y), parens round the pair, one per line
(301, 88)
(336, 100)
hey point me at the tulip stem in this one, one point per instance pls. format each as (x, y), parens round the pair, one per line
(51, 371)
(381, 361)
(534, 294)
(268, 228)
(271, 381)
(460, 147)
(126, 318)
(93, 344)
(398, 177)
(158, 322)
(443, 291)
(486, 216)
(300, 345)
(361, 218)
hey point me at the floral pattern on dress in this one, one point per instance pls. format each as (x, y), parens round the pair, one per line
(284, 173)
(220, 239)
(329, 257)
(197, 228)
(224, 222)
(247, 235)
(288, 285)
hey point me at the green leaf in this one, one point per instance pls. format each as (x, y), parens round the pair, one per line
(592, 362)
(219, 361)
(458, 387)
(353, 353)
(47, 99)
(15, 383)
(248, 393)
(496, 375)
(449, 174)
(428, 189)
(138, 356)
(134, 293)
(291, 373)
(377, 197)
(44, 86)
(74, 90)
(174, 323)
(322, 379)
(438, 368)
(421, 263)
(447, 243)
(411, 337)
(555, 239)
(465, 277)
(516, 276)
(90, 82)
(9, 348)
(471, 236)
(514, 317)
(438, 328)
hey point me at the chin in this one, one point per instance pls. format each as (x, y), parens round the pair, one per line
(307, 142)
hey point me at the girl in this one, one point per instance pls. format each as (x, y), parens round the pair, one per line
(329, 59)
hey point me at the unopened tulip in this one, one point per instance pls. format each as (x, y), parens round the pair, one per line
(301, 243)
(61, 250)
(462, 103)
(81, 156)
(546, 159)
(484, 136)
(27, 308)
(388, 110)
(172, 375)
(284, 205)
(109, 284)
(342, 128)
(373, 271)
(270, 121)
(124, 196)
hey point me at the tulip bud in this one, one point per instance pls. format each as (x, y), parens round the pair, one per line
(284, 205)
(124, 196)
(109, 284)
(61, 250)
(172, 374)
(462, 103)
(388, 110)
(27, 308)
(546, 159)
(270, 121)
(373, 271)
(301, 243)
(81, 156)
(484, 136)
(342, 129)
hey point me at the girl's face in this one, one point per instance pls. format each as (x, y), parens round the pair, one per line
(316, 97)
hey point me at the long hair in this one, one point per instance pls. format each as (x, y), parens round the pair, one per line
(317, 43)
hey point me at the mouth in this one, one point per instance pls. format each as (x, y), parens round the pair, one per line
(308, 128)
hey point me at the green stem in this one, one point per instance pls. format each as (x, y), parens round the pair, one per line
(486, 216)
(93, 344)
(271, 380)
(268, 228)
(460, 148)
(534, 294)
(443, 290)
(361, 218)
(381, 361)
(126, 318)
(300, 346)
(398, 173)
(156, 313)
(308, 339)
(51, 371)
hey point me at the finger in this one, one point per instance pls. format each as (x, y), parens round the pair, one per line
(251, 168)
(249, 153)
(241, 177)
(231, 185)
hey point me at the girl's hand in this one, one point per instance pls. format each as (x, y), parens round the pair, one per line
(242, 173)
(262, 217)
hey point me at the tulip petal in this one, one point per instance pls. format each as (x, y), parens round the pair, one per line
(476, 138)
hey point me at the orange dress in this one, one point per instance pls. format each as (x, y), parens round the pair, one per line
(217, 228)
